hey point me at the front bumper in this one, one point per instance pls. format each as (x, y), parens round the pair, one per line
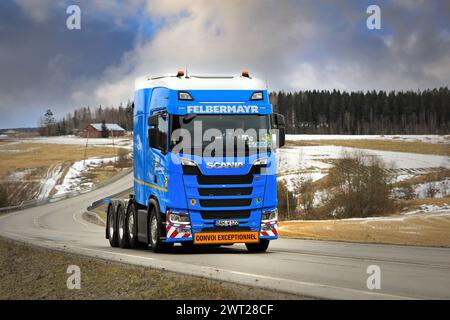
(183, 232)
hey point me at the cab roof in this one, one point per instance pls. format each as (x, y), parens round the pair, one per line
(193, 82)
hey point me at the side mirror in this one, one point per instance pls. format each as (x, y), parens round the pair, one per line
(153, 121)
(279, 124)
(279, 120)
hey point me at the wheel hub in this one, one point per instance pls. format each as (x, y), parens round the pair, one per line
(154, 230)
(131, 225)
(111, 224)
(121, 231)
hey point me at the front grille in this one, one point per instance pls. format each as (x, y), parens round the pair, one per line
(225, 191)
(225, 202)
(231, 214)
(221, 229)
(225, 179)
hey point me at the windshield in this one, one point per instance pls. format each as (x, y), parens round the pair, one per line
(218, 133)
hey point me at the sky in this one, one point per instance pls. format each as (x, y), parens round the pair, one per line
(291, 44)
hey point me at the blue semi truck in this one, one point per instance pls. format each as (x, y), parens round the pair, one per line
(204, 165)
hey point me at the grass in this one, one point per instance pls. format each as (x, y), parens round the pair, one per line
(385, 145)
(415, 203)
(35, 273)
(420, 229)
(101, 211)
(40, 157)
(27, 155)
(435, 175)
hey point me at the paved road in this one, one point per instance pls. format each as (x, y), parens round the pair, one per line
(313, 268)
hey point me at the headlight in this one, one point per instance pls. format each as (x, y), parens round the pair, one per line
(177, 217)
(257, 95)
(187, 162)
(183, 95)
(270, 215)
(261, 162)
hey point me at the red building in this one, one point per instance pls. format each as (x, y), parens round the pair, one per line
(94, 130)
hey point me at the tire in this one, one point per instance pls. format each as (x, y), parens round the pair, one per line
(258, 247)
(111, 227)
(154, 227)
(122, 232)
(131, 224)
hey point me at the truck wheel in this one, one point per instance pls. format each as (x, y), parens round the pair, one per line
(132, 228)
(258, 247)
(111, 227)
(155, 233)
(121, 227)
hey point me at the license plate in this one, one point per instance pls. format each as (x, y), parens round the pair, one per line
(226, 223)
(226, 237)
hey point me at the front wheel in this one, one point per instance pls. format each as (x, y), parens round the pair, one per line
(258, 247)
(155, 233)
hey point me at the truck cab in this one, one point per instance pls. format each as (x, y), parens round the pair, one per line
(204, 164)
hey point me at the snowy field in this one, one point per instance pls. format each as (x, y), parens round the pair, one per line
(59, 180)
(73, 178)
(316, 157)
(423, 211)
(58, 175)
(122, 142)
(408, 138)
(313, 162)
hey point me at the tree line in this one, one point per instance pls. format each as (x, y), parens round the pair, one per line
(319, 112)
(336, 112)
(76, 121)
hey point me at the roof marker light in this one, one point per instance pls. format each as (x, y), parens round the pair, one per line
(257, 95)
(180, 73)
(183, 95)
(245, 73)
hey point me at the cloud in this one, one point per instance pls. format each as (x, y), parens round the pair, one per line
(38, 11)
(292, 44)
(214, 37)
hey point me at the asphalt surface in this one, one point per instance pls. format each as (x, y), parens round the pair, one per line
(322, 269)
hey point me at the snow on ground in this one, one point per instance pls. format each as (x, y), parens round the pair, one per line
(75, 140)
(303, 158)
(49, 182)
(313, 162)
(20, 174)
(73, 179)
(403, 177)
(291, 179)
(299, 158)
(409, 138)
(424, 211)
(439, 189)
